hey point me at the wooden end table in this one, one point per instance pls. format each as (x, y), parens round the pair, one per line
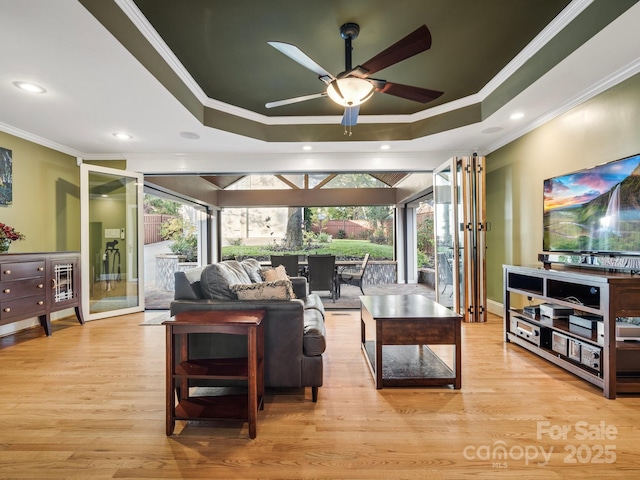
(399, 321)
(182, 369)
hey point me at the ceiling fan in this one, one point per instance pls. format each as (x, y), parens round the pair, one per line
(353, 87)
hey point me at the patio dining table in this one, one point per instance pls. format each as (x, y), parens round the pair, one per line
(304, 264)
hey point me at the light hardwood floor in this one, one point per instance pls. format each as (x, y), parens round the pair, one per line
(88, 403)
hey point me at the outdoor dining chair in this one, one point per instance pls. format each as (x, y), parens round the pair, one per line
(353, 277)
(290, 263)
(322, 274)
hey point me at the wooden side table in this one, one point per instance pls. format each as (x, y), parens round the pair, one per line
(183, 369)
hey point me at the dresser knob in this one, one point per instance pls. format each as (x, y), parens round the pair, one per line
(7, 290)
(40, 269)
(40, 285)
(40, 302)
(7, 272)
(7, 310)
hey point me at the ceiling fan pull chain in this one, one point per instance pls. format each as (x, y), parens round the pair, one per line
(347, 127)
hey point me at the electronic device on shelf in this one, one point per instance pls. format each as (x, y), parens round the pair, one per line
(553, 310)
(532, 310)
(526, 330)
(580, 352)
(585, 321)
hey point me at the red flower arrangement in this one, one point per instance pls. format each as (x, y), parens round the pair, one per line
(9, 233)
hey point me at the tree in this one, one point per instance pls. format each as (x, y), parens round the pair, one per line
(293, 237)
(377, 215)
(341, 213)
(160, 206)
(426, 239)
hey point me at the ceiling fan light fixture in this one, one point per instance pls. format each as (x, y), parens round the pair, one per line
(350, 91)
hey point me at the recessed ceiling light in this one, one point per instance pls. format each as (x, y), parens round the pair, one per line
(122, 136)
(190, 135)
(385, 147)
(29, 87)
(517, 116)
(306, 148)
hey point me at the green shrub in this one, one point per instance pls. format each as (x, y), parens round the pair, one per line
(184, 236)
(342, 249)
(187, 246)
(172, 228)
(364, 234)
(379, 237)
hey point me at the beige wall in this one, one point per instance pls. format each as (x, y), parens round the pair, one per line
(603, 129)
(46, 197)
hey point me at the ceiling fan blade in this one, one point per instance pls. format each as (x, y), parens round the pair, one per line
(297, 55)
(414, 43)
(289, 101)
(417, 94)
(350, 117)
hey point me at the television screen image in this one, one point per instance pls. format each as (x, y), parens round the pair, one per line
(596, 210)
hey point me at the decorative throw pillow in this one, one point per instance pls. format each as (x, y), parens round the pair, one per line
(274, 274)
(278, 290)
(252, 267)
(216, 279)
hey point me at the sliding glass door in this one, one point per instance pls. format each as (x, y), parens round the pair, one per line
(111, 211)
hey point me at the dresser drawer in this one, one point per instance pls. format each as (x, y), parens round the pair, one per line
(23, 307)
(17, 271)
(21, 288)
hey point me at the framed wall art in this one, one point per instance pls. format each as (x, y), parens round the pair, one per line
(6, 177)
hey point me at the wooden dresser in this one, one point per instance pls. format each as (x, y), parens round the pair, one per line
(37, 284)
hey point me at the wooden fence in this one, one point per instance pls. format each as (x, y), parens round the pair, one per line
(351, 228)
(152, 223)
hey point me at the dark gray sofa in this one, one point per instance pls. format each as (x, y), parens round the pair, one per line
(294, 331)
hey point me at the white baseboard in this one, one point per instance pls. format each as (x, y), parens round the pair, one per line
(495, 307)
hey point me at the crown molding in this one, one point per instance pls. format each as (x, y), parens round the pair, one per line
(16, 132)
(564, 18)
(132, 11)
(104, 156)
(608, 82)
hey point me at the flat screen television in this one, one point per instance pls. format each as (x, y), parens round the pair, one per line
(596, 210)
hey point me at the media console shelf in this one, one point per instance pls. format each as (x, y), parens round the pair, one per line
(585, 345)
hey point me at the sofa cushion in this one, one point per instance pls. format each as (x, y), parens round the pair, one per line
(278, 290)
(187, 284)
(216, 279)
(313, 340)
(252, 267)
(313, 301)
(299, 286)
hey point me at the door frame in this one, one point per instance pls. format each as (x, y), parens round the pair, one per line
(85, 170)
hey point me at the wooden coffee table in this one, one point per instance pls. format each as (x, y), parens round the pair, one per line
(402, 326)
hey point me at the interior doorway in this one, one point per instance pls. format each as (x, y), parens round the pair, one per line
(175, 239)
